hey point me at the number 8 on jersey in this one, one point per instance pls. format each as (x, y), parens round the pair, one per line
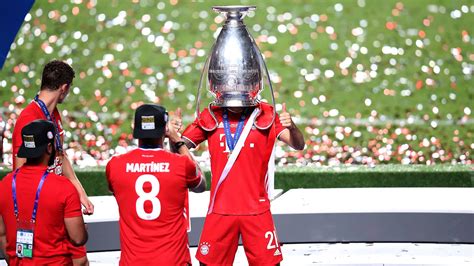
(144, 196)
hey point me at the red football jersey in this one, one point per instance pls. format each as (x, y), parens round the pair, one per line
(58, 200)
(150, 186)
(31, 113)
(243, 192)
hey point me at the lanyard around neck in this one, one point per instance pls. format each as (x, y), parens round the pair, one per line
(231, 141)
(38, 190)
(50, 117)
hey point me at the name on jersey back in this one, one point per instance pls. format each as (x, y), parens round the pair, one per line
(148, 167)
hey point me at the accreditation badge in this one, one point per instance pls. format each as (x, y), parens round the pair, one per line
(24, 243)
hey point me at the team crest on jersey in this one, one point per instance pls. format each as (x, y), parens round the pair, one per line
(204, 249)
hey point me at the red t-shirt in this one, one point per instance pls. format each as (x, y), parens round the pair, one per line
(31, 113)
(150, 186)
(243, 192)
(58, 200)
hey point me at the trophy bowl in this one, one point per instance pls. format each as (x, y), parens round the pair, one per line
(234, 71)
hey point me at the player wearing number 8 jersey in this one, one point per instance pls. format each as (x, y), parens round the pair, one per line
(150, 185)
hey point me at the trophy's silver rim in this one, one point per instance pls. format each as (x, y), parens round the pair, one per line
(234, 8)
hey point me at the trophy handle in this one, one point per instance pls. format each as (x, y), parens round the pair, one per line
(262, 63)
(198, 98)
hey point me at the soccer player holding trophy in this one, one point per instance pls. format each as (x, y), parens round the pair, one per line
(241, 132)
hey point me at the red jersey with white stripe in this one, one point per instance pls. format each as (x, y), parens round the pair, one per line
(31, 113)
(150, 186)
(243, 192)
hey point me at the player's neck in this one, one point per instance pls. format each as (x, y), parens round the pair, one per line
(150, 144)
(50, 99)
(42, 161)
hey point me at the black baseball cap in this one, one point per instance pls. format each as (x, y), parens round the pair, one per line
(150, 121)
(35, 138)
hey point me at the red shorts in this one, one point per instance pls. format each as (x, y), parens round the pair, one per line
(220, 238)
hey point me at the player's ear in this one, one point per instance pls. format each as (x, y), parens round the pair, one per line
(49, 148)
(63, 88)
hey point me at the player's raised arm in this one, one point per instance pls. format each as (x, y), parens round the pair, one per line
(69, 173)
(177, 120)
(179, 146)
(293, 135)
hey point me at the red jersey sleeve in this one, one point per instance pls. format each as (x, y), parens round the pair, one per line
(278, 126)
(195, 133)
(72, 206)
(22, 121)
(2, 195)
(193, 175)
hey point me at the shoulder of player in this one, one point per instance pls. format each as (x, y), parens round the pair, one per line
(177, 156)
(57, 178)
(6, 181)
(31, 112)
(31, 109)
(265, 107)
(60, 181)
(206, 118)
(123, 156)
(26, 116)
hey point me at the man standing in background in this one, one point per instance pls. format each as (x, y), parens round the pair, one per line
(40, 212)
(55, 84)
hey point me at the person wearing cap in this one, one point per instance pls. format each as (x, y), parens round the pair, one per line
(240, 141)
(55, 85)
(150, 185)
(40, 211)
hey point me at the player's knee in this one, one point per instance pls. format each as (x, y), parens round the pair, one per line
(81, 261)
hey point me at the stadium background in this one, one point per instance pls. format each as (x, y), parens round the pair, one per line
(368, 83)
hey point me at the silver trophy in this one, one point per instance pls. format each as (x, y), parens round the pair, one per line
(235, 68)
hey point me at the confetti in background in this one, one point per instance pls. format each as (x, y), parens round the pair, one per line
(368, 82)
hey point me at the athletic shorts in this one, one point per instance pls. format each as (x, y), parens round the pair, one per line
(76, 252)
(220, 239)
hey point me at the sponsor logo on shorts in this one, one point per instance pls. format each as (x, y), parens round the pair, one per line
(277, 253)
(204, 249)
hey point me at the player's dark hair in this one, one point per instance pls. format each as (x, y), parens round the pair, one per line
(55, 74)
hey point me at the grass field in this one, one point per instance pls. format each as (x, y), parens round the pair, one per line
(95, 183)
(391, 75)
